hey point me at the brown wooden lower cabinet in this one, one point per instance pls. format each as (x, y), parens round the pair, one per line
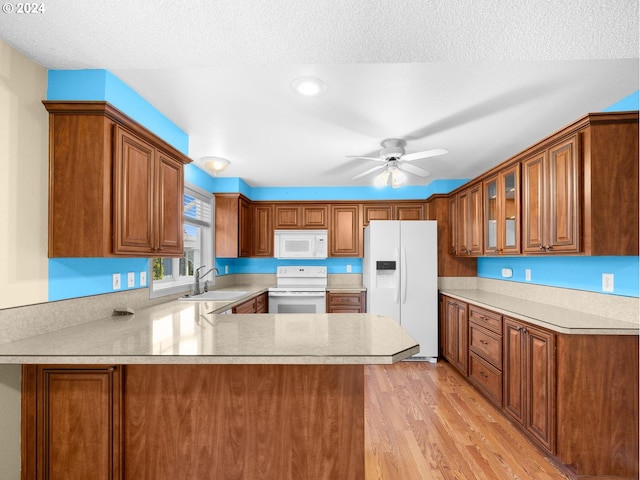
(71, 422)
(257, 304)
(485, 352)
(456, 345)
(575, 396)
(529, 379)
(165, 422)
(597, 409)
(340, 302)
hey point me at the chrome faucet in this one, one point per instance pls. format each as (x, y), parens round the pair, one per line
(198, 277)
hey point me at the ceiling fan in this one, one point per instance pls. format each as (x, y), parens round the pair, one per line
(394, 162)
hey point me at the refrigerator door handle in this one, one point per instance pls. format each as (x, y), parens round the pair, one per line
(403, 257)
(396, 294)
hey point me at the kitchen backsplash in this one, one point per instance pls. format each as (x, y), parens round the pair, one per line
(611, 306)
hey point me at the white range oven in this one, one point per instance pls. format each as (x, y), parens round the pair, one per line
(299, 290)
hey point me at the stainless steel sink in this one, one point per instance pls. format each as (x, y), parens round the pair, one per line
(215, 296)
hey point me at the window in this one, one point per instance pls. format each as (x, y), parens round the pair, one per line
(175, 275)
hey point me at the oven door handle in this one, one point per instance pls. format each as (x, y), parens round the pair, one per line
(296, 295)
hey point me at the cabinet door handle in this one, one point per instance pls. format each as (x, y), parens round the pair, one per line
(484, 342)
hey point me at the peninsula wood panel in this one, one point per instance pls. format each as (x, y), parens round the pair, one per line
(244, 422)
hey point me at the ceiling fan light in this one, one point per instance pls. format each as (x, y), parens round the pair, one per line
(397, 178)
(382, 179)
(308, 86)
(215, 164)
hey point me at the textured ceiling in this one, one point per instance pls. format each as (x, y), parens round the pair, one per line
(484, 79)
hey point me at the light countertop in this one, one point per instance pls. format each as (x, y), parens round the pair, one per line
(187, 332)
(561, 320)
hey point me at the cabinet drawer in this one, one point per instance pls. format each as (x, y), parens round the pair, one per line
(344, 299)
(486, 344)
(345, 302)
(490, 320)
(486, 377)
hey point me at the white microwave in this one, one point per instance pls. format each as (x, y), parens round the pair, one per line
(300, 244)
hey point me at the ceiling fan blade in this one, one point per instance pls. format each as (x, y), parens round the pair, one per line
(371, 170)
(409, 157)
(414, 169)
(376, 159)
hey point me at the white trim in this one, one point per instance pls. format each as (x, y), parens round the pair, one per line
(184, 284)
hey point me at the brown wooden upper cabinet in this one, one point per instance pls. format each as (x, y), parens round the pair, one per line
(469, 238)
(115, 189)
(234, 232)
(502, 212)
(392, 211)
(262, 230)
(574, 192)
(294, 216)
(148, 191)
(345, 231)
(551, 199)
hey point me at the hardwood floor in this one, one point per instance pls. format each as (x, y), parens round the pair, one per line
(424, 421)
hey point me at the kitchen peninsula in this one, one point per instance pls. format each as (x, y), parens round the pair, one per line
(175, 391)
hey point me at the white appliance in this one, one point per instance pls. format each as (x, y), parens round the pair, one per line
(300, 244)
(299, 290)
(400, 272)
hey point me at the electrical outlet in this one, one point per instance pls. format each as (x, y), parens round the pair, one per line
(143, 279)
(131, 280)
(226, 269)
(607, 282)
(116, 281)
(348, 268)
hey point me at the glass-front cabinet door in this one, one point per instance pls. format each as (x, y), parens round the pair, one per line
(510, 185)
(491, 215)
(502, 212)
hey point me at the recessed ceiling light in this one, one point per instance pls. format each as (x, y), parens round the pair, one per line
(308, 86)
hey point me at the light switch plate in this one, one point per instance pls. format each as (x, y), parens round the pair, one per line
(131, 280)
(527, 274)
(607, 282)
(143, 279)
(507, 273)
(116, 281)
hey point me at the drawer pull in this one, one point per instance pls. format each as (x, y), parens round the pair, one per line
(484, 342)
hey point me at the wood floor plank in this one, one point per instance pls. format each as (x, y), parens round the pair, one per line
(424, 421)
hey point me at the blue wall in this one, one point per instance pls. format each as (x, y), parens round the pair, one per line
(579, 273)
(78, 277)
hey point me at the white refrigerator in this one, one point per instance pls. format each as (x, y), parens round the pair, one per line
(400, 272)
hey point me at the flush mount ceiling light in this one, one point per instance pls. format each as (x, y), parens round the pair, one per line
(215, 164)
(308, 86)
